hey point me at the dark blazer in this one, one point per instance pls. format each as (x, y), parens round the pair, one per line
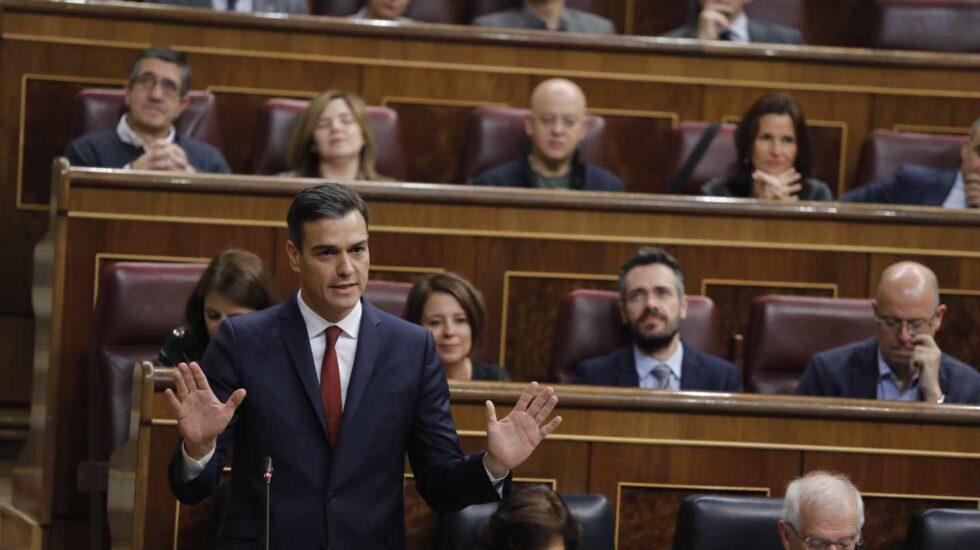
(258, 6)
(104, 149)
(699, 371)
(759, 31)
(518, 173)
(852, 371)
(344, 497)
(812, 190)
(911, 184)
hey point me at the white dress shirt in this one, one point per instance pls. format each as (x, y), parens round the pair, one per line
(957, 195)
(739, 29)
(242, 6)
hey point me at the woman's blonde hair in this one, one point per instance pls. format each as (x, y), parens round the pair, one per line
(303, 158)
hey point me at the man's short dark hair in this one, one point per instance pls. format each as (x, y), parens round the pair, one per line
(163, 53)
(646, 256)
(330, 201)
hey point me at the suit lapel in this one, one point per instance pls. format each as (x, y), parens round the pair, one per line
(691, 371)
(864, 380)
(369, 340)
(294, 335)
(944, 182)
(626, 369)
(757, 33)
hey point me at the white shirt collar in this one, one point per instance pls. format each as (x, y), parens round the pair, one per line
(740, 28)
(957, 195)
(315, 325)
(128, 136)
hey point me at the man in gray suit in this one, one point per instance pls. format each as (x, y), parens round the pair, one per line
(902, 362)
(241, 6)
(726, 20)
(547, 15)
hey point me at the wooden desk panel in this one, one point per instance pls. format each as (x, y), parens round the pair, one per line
(497, 238)
(621, 443)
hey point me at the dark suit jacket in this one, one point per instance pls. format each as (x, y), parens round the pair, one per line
(911, 184)
(699, 371)
(345, 497)
(759, 31)
(258, 6)
(852, 371)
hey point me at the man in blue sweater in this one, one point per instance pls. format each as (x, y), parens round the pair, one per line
(145, 138)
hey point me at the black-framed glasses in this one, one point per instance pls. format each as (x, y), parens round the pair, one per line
(149, 81)
(915, 326)
(818, 543)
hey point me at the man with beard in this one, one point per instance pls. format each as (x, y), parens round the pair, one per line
(555, 127)
(902, 362)
(652, 305)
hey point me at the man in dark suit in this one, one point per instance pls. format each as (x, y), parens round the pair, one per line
(652, 305)
(926, 186)
(902, 362)
(726, 20)
(337, 393)
(242, 6)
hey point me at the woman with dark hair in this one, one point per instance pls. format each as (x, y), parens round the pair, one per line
(235, 282)
(773, 155)
(534, 518)
(333, 140)
(451, 308)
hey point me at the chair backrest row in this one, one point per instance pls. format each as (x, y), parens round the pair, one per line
(783, 333)
(707, 522)
(496, 135)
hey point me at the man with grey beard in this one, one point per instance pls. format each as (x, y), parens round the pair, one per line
(652, 305)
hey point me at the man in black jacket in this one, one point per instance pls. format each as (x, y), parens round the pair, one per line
(555, 127)
(726, 20)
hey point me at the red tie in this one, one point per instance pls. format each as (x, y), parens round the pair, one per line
(330, 384)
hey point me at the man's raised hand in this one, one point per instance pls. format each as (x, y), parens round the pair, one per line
(512, 439)
(201, 417)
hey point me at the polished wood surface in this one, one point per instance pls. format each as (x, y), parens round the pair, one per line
(510, 243)
(431, 74)
(645, 450)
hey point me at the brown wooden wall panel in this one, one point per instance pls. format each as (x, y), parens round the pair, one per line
(638, 147)
(957, 335)
(657, 18)
(532, 304)
(16, 336)
(434, 137)
(647, 513)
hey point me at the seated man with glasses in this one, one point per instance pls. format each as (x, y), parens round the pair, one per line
(821, 510)
(902, 362)
(145, 138)
(554, 127)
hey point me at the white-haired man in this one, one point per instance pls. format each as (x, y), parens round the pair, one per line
(821, 510)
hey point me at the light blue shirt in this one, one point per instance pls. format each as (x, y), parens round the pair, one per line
(957, 195)
(888, 389)
(645, 364)
(739, 29)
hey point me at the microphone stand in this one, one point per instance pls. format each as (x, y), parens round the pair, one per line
(267, 476)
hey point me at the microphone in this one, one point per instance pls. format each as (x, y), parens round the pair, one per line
(267, 476)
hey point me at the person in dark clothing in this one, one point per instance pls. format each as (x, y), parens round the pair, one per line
(145, 137)
(555, 127)
(773, 155)
(235, 282)
(452, 310)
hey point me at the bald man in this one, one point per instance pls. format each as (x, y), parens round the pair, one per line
(555, 126)
(902, 362)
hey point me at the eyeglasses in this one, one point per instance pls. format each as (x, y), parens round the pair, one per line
(149, 81)
(817, 543)
(915, 326)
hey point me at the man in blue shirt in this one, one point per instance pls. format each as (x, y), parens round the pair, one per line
(903, 361)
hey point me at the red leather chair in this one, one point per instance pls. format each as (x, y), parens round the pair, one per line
(496, 135)
(589, 325)
(388, 296)
(785, 331)
(100, 108)
(717, 161)
(885, 150)
(934, 25)
(139, 303)
(278, 119)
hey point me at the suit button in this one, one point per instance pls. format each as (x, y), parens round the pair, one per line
(330, 497)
